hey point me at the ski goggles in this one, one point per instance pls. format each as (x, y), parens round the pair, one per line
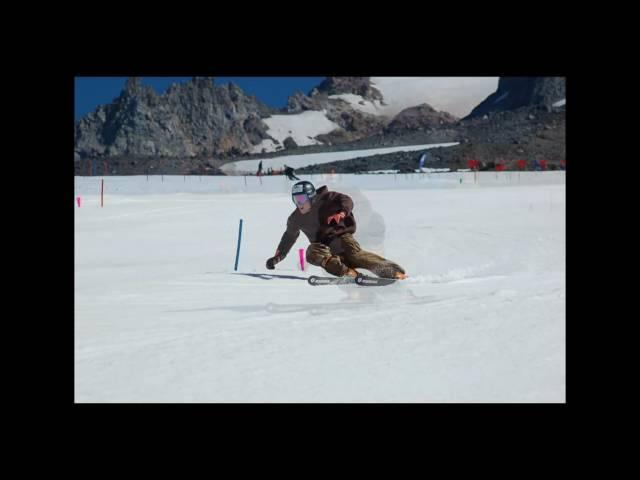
(300, 199)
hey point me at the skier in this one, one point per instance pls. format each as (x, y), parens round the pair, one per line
(326, 218)
(290, 173)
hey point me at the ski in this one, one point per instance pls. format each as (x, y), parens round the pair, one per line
(367, 281)
(318, 281)
(362, 280)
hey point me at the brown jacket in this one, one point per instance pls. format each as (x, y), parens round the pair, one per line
(314, 224)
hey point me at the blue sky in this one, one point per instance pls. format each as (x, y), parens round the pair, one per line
(273, 91)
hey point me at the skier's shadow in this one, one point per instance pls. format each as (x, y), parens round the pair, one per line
(267, 276)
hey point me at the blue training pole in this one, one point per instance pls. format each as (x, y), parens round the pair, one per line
(238, 249)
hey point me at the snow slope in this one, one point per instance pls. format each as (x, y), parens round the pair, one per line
(456, 95)
(303, 160)
(357, 102)
(160, 315)
(302, 127)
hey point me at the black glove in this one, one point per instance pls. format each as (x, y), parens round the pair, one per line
(271, 263)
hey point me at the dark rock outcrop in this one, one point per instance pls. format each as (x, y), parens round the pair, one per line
(517, 92)
(422, 117)
(354, 124)
(355, 85)
(528, 133)
(289, 143)
(299, 102)
(193, 119)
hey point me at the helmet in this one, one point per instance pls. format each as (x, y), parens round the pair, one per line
(302, 192)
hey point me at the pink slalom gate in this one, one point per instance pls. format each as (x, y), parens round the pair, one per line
(301, 253)
(78, 199)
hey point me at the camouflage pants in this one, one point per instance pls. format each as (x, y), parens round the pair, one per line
(352, 256)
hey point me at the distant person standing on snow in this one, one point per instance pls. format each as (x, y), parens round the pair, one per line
(326, 218)
(290, 173)
(259, 168)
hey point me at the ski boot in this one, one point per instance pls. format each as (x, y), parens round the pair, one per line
(351, 273)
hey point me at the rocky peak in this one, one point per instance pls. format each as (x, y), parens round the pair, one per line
(132, 86)
(299, 102)
(203, 81)
(196, 118)
(355, 85)
(517, 92)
